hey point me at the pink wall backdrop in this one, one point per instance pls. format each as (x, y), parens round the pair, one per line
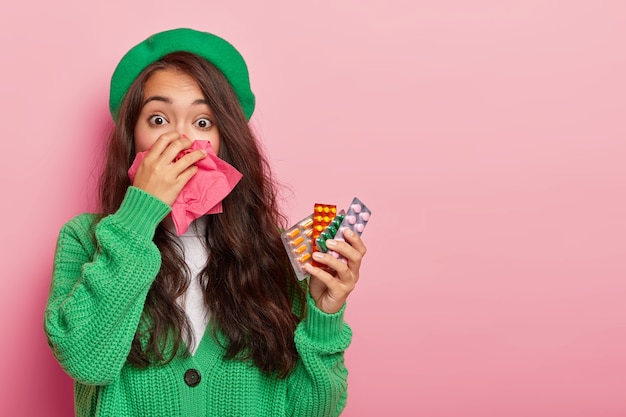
(487, 137)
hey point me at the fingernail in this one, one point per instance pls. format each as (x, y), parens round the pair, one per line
(317, 256)
(348, 232)
(331, 242)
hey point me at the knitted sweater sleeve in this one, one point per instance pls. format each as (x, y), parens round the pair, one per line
(101, 275)
(318, 385)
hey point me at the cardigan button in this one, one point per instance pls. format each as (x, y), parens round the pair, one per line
(192, 377)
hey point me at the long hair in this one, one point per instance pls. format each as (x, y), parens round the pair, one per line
(249, 287)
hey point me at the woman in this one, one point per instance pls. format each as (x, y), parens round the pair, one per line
(211, 322)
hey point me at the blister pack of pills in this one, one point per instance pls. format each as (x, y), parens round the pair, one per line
(298, 243)
(311, 233)
(329, 232)
(323, 214)
(356, 219)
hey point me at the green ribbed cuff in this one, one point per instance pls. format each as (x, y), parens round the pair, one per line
(141, 212)
(323, 327)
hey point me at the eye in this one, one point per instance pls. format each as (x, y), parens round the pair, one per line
(157, 120)
(203, 123)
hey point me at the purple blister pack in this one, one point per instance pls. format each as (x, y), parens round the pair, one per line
(356, 218)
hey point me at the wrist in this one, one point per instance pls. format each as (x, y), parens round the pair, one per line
(330, 307)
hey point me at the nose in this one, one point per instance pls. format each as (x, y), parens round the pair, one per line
(182, 130)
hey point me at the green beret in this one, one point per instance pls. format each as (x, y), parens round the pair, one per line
(211, 47)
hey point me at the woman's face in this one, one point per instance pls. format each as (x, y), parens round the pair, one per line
(173, 101)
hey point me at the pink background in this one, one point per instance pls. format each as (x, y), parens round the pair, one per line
(486, 136)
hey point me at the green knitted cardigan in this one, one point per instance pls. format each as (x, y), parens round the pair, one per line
(95, 302)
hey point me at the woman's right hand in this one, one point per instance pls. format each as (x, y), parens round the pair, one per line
(158, 174)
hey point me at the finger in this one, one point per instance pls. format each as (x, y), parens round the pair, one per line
(343, 269)
(337, 289)
(189, 160)
(324, 277)
(186, 175)
(351, 255)
(355, 241)
(163, 141)
(174, 148)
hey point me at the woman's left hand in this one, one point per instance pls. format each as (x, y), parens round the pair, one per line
(330, 292)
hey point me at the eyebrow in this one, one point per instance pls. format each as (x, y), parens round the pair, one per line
(169, 101)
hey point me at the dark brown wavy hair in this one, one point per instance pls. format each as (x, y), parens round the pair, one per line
(250, 290)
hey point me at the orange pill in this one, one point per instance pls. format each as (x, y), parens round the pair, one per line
(293, 233)
(305, 257)
(297, 241)
(299, 249)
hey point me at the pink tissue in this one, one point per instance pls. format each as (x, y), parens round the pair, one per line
(204, 192)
